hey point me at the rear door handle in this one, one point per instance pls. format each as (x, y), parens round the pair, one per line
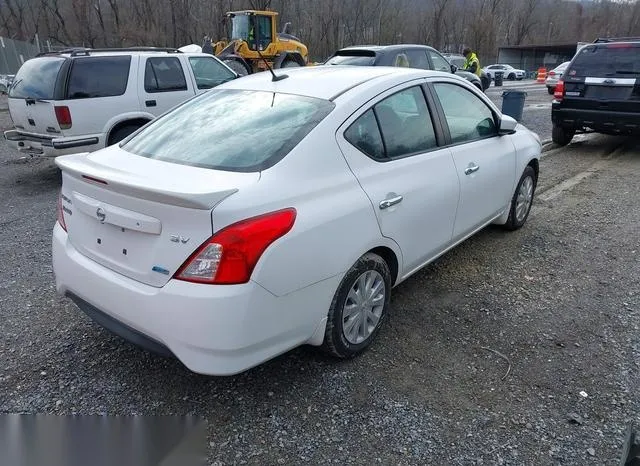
(150, 103)
(390, 202)
(472, 168)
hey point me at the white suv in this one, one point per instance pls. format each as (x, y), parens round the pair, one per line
(86, 99)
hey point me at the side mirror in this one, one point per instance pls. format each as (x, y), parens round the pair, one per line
(454, 68)
(507, 125)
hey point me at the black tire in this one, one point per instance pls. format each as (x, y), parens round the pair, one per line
(511, 77)
(516, 220)
(237, 66)
(290, 63)
(562, 136)
(121, 133)
(335, 341)
(551, 90)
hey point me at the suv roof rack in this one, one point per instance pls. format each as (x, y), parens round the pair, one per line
(616, 39)
(80, 51)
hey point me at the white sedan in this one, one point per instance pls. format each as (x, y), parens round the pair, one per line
(264, 215)
(507, 71)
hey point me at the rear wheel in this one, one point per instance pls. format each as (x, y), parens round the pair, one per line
(289, 63)
(121, 133)
(550, 90)
(359, 307)
(562, 136)
(237, 66)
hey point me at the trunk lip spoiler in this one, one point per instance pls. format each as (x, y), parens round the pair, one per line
(76, 166)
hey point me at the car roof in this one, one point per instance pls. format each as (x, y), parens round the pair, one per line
(323, 82)
(86, 52)
(386, 48)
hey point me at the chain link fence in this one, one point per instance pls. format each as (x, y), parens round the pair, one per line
(13, 53)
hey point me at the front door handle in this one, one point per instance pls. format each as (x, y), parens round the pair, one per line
(150, 103)
(472, 168)
(390, 202)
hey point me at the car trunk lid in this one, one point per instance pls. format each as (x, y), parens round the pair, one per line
(145, 220)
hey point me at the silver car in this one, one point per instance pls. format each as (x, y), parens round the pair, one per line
(554, 76)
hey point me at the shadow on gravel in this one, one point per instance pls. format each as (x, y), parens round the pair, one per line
(35, 176)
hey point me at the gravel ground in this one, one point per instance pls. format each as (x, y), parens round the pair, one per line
(560, 299)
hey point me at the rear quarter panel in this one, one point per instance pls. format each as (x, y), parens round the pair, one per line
(335, 223)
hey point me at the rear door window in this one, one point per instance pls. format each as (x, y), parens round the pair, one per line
(164, 74)
(418, 59)
(209, 72)
(613, 60)
(36, 78)
(93, 77)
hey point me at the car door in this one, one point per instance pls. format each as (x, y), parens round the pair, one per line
(164, 85)
(485, 161)
(392, 149)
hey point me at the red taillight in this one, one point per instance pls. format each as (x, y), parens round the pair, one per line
(63, 115)
(229, 256)
(558, 94)
(61, 213)
(552, 73)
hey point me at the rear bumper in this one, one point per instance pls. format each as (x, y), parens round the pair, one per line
(213, 330)
(49, 146)
(597, 120)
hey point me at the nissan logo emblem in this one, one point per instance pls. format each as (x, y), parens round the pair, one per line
(101, 214)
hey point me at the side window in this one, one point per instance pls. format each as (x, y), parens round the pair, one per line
(405, 123)
(418, 59)
(164, 74)
(468, 117)
(209, 72)
(401, 61)
(439, 62)
(365, 135)
(98, 77)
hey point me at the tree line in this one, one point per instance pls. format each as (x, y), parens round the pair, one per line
(324, 25)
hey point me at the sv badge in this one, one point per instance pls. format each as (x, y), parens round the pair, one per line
(179, 239)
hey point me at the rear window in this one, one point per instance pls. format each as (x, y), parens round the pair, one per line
(36, 78)
(605, 61)
(98, 77)
(353, 57)
(231, 130)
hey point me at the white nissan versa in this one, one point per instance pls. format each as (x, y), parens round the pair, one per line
(267, 214)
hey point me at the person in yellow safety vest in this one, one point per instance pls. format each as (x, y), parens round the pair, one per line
(472, 63)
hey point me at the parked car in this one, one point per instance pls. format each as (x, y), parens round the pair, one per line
(83, 100)
(508, 72)
(265, 215)
(598, 92)
(554, 76)
(5, 82)
(401, 55)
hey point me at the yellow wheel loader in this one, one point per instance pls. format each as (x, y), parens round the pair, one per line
(253, 33)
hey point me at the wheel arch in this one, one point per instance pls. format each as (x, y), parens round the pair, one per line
(389, 256)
